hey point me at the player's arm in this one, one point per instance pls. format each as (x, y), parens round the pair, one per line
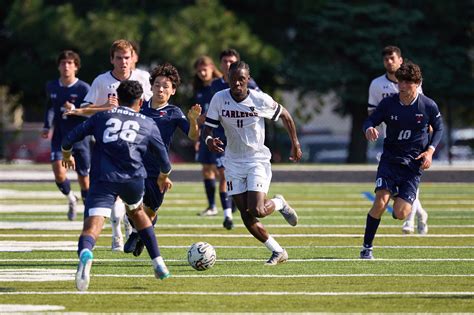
(48, 117)
(158, 150)
(211, 122)
(374, 119)
(436, 123)
(290, 127)
(193, 115)
(75, 135)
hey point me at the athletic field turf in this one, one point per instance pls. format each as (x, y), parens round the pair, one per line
(418, 274)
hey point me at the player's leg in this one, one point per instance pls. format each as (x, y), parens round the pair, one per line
(208, 162)
(81, 152)
(421, 215)
(144, 225)
(116, 218)
(64, 185)
(226, 201)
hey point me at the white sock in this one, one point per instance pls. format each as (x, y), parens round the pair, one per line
(71, 197)
(273, 245)
(228, 213)
(278, 203)
(157, 261)
(118, 211)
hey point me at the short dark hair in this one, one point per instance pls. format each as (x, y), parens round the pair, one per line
(239, 65)
(410, 72)
(166, 70)
(129, 92)
(229, 52)
(388, 50)
(69, 54)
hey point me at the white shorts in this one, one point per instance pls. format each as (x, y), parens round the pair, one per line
(247, 176)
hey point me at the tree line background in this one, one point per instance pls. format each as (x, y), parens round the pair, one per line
(304, 45)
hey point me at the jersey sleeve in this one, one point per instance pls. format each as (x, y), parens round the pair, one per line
(183, 122)
(93, 94)
(376, 118)
(49, 111)
(79, 132)
(270, 109)
(436, 121)
(374, 99)
(212, 115)
(158, 149)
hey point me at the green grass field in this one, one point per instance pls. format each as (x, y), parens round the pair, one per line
(411, 274)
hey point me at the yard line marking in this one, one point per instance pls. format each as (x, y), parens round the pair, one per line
(15, 308)
(269, 293)
(158, 234)
(245, 260)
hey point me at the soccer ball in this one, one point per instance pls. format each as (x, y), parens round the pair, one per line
(201, 256)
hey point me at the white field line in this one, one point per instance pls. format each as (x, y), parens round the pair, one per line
(230, 260)
(240, 293)
(199, 235)
(15, 308)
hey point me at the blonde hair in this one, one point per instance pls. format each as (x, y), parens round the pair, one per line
(120, 44)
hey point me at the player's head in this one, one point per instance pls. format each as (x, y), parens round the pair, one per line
(228, 57)
(121, 55)
(409, 72)
(68, 62)
(164, 80)
(206, 71)
(239, 76)
(392, 58)
(129, 93)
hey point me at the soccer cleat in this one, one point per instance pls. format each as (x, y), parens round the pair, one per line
(131, 243)
(84, 269)
(127, 226)
(422, 218)
(139, 248)
(209, 212)
(117, 244)
(228, 224)
(277, 258)
(72, 211)
(408, 227)
(161, 272)
(288, 212)
(366, 253)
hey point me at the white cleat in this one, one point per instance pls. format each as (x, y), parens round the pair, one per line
(84, 270)
(209, 212)
(72, 210)
(277, 258)
(422, 218)
(408, 227)
(288, 212)
(117, 244)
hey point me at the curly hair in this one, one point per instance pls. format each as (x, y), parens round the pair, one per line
(410, 72)
(129, 92)
(166, 70)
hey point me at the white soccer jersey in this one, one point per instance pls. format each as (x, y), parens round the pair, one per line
(105, 85)
(243, 123)
(380, 88)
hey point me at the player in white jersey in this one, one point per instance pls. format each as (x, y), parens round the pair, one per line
(380, 88)
(241, 112)
(103, 96)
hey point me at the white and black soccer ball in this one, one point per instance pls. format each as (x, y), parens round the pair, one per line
(201, 256)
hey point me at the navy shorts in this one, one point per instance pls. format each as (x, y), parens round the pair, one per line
(399, 179)
(153, 197)
(205, 156)
(80, 151)
(102, 196)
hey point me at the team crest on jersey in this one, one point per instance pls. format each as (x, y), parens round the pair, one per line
(419, 118)
(162, 113)
(73, 98)
(393, 117)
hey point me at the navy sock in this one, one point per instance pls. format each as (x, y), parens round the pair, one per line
(84, 193)
(210, 185)
(85, 241)
(225, 200)
(371, 227)
(148, 237)
(64, 187)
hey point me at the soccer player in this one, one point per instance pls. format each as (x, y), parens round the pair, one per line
(69, 91)
(164, 80)
(103, 96)
(384, 86)
(241, 112)
(122, 138)
(212, 162)
(408, 148)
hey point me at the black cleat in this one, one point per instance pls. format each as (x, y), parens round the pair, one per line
(131, 243)
(228, 224)
(139, 248)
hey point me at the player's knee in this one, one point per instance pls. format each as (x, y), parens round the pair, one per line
(258, 212)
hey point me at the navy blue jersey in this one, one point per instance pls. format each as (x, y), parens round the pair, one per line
(59, 94)
(407, 128)
(168, 118)
(122, 139)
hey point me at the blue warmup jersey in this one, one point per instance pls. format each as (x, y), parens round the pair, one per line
(407, 129)
(122, 139)
(168, 118)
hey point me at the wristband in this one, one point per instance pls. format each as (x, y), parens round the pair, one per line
(207, 138)
(165, 174)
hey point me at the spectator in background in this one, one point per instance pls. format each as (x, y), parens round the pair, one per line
(66, 92)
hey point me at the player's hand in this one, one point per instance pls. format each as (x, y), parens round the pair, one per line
(76, 112)
(215, 145)
(164, 183)
(112, 101)
(194, 112)
(69, 162)
(371, 134)
(427, 158)
(68, 106)
(45, 133)
(296, 153)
